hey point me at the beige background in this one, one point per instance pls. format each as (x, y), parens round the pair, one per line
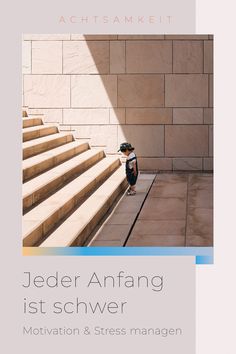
(155, 91)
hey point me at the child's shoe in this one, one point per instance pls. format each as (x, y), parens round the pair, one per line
(131, 192)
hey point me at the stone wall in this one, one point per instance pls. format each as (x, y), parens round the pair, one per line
(155, 91)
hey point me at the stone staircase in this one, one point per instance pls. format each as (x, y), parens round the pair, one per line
(68, 187)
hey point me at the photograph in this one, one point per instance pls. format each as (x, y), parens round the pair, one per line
(117, 140)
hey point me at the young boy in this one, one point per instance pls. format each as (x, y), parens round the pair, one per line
(131, 166)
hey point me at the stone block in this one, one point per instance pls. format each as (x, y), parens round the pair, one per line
(46, 57)
(81, 57)
(121, 219)
(156, 241)
(208, 57)
(211, 91)
(46, 37)
(199, 227)
(26, 57)
(93, 37)
(187, 164)
(159, 227)
(141, 90)
(148, 140)
(169, 190)
(113, 233)
(93, 91)
(199, 240)
(201, 197)
(149, 116)
(187, 36)
(188, 116)
(188, 57)
(99, 135)
(140, 37)
(47, 91)
(86, 116)
(155, 164)
(211, 140)
(117, 115)
(163, 209)
(117, 57)
(148, 57)
(208, 115)
(186, 140)
(49, 115)
(186, 90)
(208, 164)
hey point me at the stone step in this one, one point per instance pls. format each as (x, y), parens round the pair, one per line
(43, 185)
(35, 165)
(77, 227)
(38, 132)
(40, 220)
(37, 146)
(116, 229)
(31, 122)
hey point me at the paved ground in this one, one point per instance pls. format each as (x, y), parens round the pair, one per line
(178, 211)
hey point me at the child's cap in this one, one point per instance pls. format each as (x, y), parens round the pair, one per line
(125, 146)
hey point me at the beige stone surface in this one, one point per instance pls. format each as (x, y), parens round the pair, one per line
(148, 140)
(199, 227)
(117, 115)
(46, 37)
(113, 233)
(81, 57)
(211, 140)
(86, 116)
(208, 57)
(93, 91)
(148, 116)
(208, 164)
(155, 164)
(187, 164)
(163, 209)
(186, 90)
(117, 57)
(202, 198)
(46, 57)
(105, 243)
(40, 145)
(141, 37)
(211, 91)
(159, 227)
(208, 116)
(169, 219)
(148, 56)
(121, 219)
(49, 115)
(93, 37)
(119, 223)
(187, 56)
(186, 140)
(188, 116)
(157, 241)
(26, 57)
(141, 90)
(47, 91)
(172, 190)
(187, 36)
(99, 135)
